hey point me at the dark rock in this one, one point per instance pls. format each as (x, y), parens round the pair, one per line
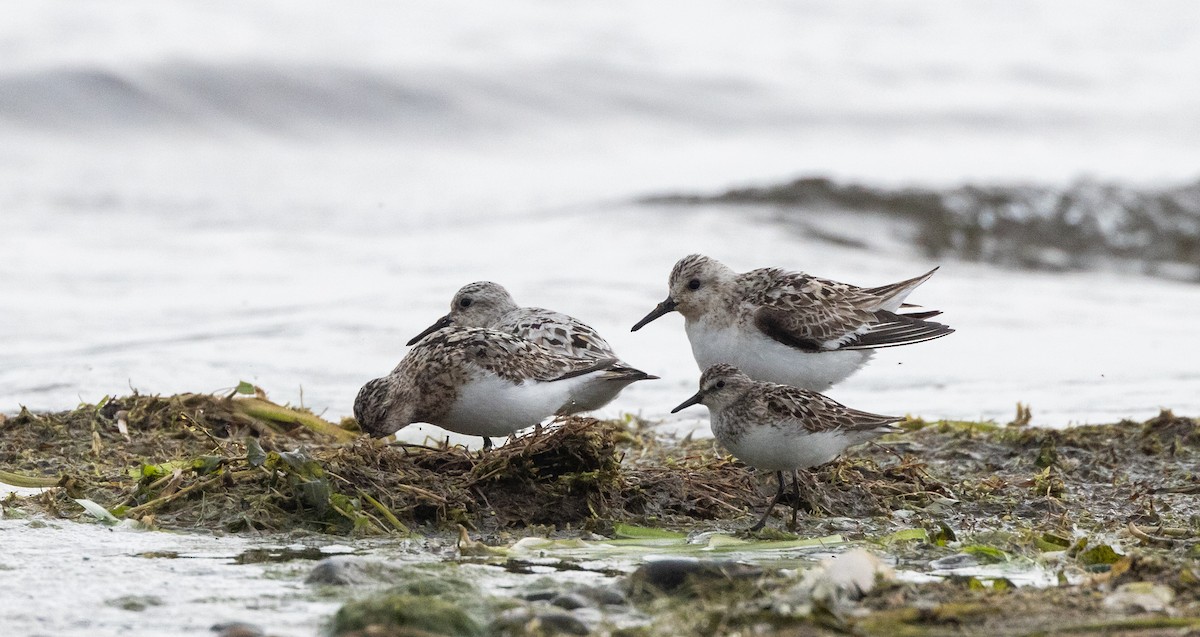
(522, 621)
(540, 596)
(569, 601)
(346, 570)
(669, 575)
(237, 629)
(412, 613)
(278, 554)
(602, 595)
(340, 570)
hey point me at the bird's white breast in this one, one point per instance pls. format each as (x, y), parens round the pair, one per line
(492, 406)
(763, 358)
(783, 449)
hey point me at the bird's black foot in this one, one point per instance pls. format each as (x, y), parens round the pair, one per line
(770, 507)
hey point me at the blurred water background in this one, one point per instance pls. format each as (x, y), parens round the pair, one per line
(197, 193)
(194, 193)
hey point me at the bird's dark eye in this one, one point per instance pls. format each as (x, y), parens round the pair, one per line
(465, 303)
(720, 384)
(694, 284)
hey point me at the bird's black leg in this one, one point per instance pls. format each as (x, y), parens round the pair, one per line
(487, 443)
(770, 507)
(795, 498)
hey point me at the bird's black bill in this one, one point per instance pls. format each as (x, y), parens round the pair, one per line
(663, 308)
(442, 322)
(689, 402)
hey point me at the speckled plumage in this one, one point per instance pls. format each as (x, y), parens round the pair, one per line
(790, 327)
(778, 427)
(741, 407)
(475, 381)
(488, 305)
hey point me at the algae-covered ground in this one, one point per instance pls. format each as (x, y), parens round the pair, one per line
(982, 528)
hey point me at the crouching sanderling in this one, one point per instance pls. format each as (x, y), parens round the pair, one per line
(477, 382)
(487, 304)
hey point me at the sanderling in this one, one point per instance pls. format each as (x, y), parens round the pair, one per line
(487, 304)
(789, 327)
(780, 428)
(477, 382)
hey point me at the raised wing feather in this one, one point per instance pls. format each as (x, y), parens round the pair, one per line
(807, 312)
(890, 330)
(892, 295)
(814, 314)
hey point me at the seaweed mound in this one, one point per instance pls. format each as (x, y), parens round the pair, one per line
(241, 463)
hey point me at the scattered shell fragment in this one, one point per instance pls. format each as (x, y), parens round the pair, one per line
(1141, 597)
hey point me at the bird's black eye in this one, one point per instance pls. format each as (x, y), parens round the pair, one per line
(465, 303)
(694, 284)
(720, 384)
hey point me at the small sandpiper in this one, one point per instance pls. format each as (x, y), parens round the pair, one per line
(477, 382)
(487, 304)
(790, 327)
(780, 428)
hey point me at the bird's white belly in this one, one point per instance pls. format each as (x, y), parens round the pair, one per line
(772, 449)
(493, 406)
(594, 395)
(763, 358)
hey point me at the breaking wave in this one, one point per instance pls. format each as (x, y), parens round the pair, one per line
(295, 98)
(202, 97)
(1085, 225)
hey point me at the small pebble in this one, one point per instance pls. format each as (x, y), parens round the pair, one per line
(135, 603)
(1141, 597)
(842, 524)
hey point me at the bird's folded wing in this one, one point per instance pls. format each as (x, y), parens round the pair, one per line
(557, 331)
(518, 360)
(889, 330)
(817, 412)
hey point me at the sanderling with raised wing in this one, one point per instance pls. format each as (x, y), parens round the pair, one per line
(789, 327)
(780, 428)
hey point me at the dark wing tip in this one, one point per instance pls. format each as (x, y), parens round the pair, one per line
(625, 372)
(894, 330)
(595, 366)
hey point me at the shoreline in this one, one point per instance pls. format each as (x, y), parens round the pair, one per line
(1051, 522)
